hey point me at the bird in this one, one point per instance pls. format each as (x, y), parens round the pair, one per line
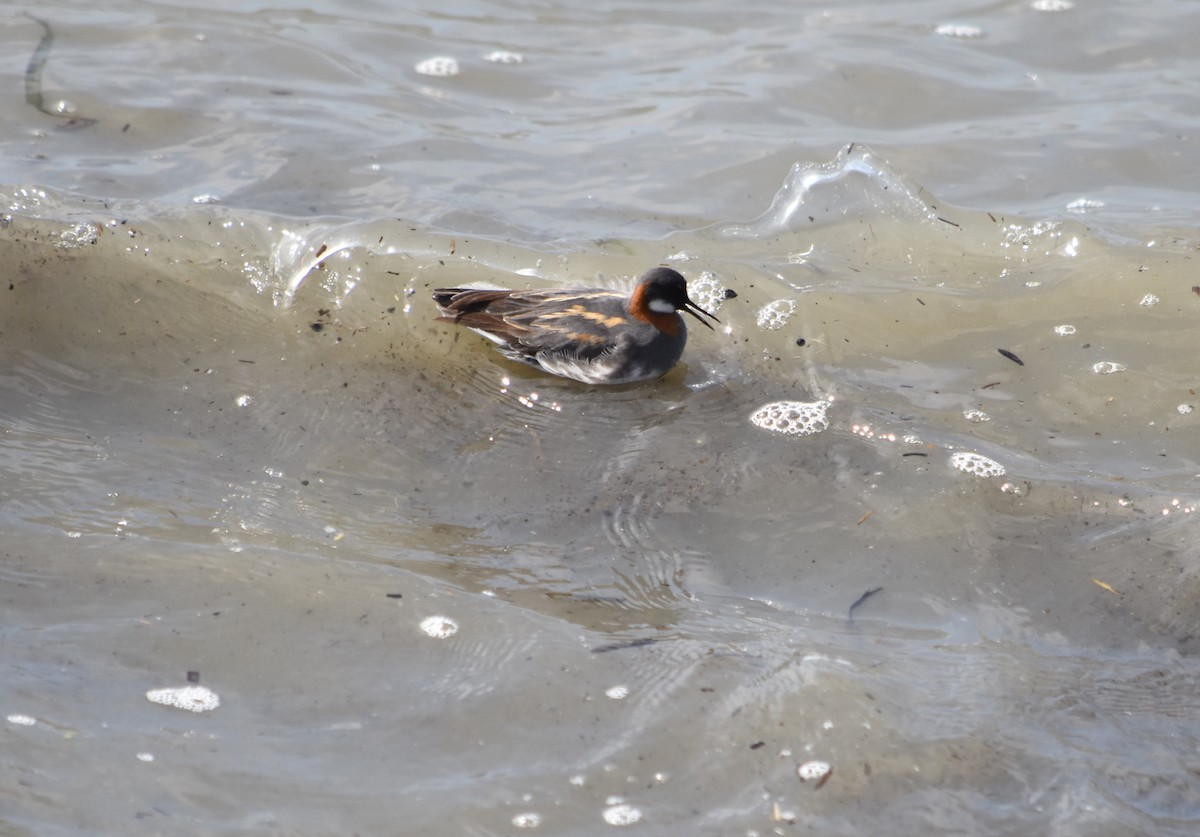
(592, 335)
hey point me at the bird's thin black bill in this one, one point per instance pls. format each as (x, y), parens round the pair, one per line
(695, 310)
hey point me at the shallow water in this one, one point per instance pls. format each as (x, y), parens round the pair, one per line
(437, 593)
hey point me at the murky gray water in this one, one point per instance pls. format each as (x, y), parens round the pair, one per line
(437, 593)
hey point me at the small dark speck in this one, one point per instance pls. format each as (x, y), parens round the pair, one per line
(304, 482)
(920, 300)
(800, 341)
(1011, 357)
(394, 595)
(1196, 290)
(758, 744)
(914, 453)
(281, 92)
(317, 326)
(244, 360)
(391, 310)
(126, 128)
(730, 293)
(193, 677)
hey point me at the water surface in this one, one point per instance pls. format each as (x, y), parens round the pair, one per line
(437, 593)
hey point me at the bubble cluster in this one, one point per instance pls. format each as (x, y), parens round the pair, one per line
(617, 692)
(621, 814)
(707, 291)
(529, 820)
(774, 315)
(78, 235)
(1108, 367)
(976, 416)
(813, 770)
(21, 720)
(1081, 205)
(976, 465)
(959, 30)
(1148, 300)
(793, 418)
(1065, 330)
(503, 56)
(1055, 6)
(191, 698)
(439, 65)
(439, 627)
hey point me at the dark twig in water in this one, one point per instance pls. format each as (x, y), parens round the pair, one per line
(621, 646)
(860, 600)
(1011, 357)
(33, 79)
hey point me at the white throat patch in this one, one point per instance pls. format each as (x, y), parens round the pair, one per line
(661, 306)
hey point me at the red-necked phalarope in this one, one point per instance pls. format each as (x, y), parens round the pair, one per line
(594, 336)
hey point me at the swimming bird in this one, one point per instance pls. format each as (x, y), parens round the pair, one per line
(594, 335)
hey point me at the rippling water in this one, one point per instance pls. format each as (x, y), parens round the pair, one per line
(908, 544)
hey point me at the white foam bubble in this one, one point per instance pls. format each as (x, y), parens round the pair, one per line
(977, 465)
(1052, 6)
(528, 820)
(959, 30)
(622, 814)
(439, 627)
(813, 770)
(1148, 300)
(793, 418)
(78, 235)
(21, 720)
(617, 692)
(1082, 205)
(503, 56)
(707, 291)
(1064, 330)
(774, 315)
(191, 698)
(976, 416)
(1108, 367)
(439, 65)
